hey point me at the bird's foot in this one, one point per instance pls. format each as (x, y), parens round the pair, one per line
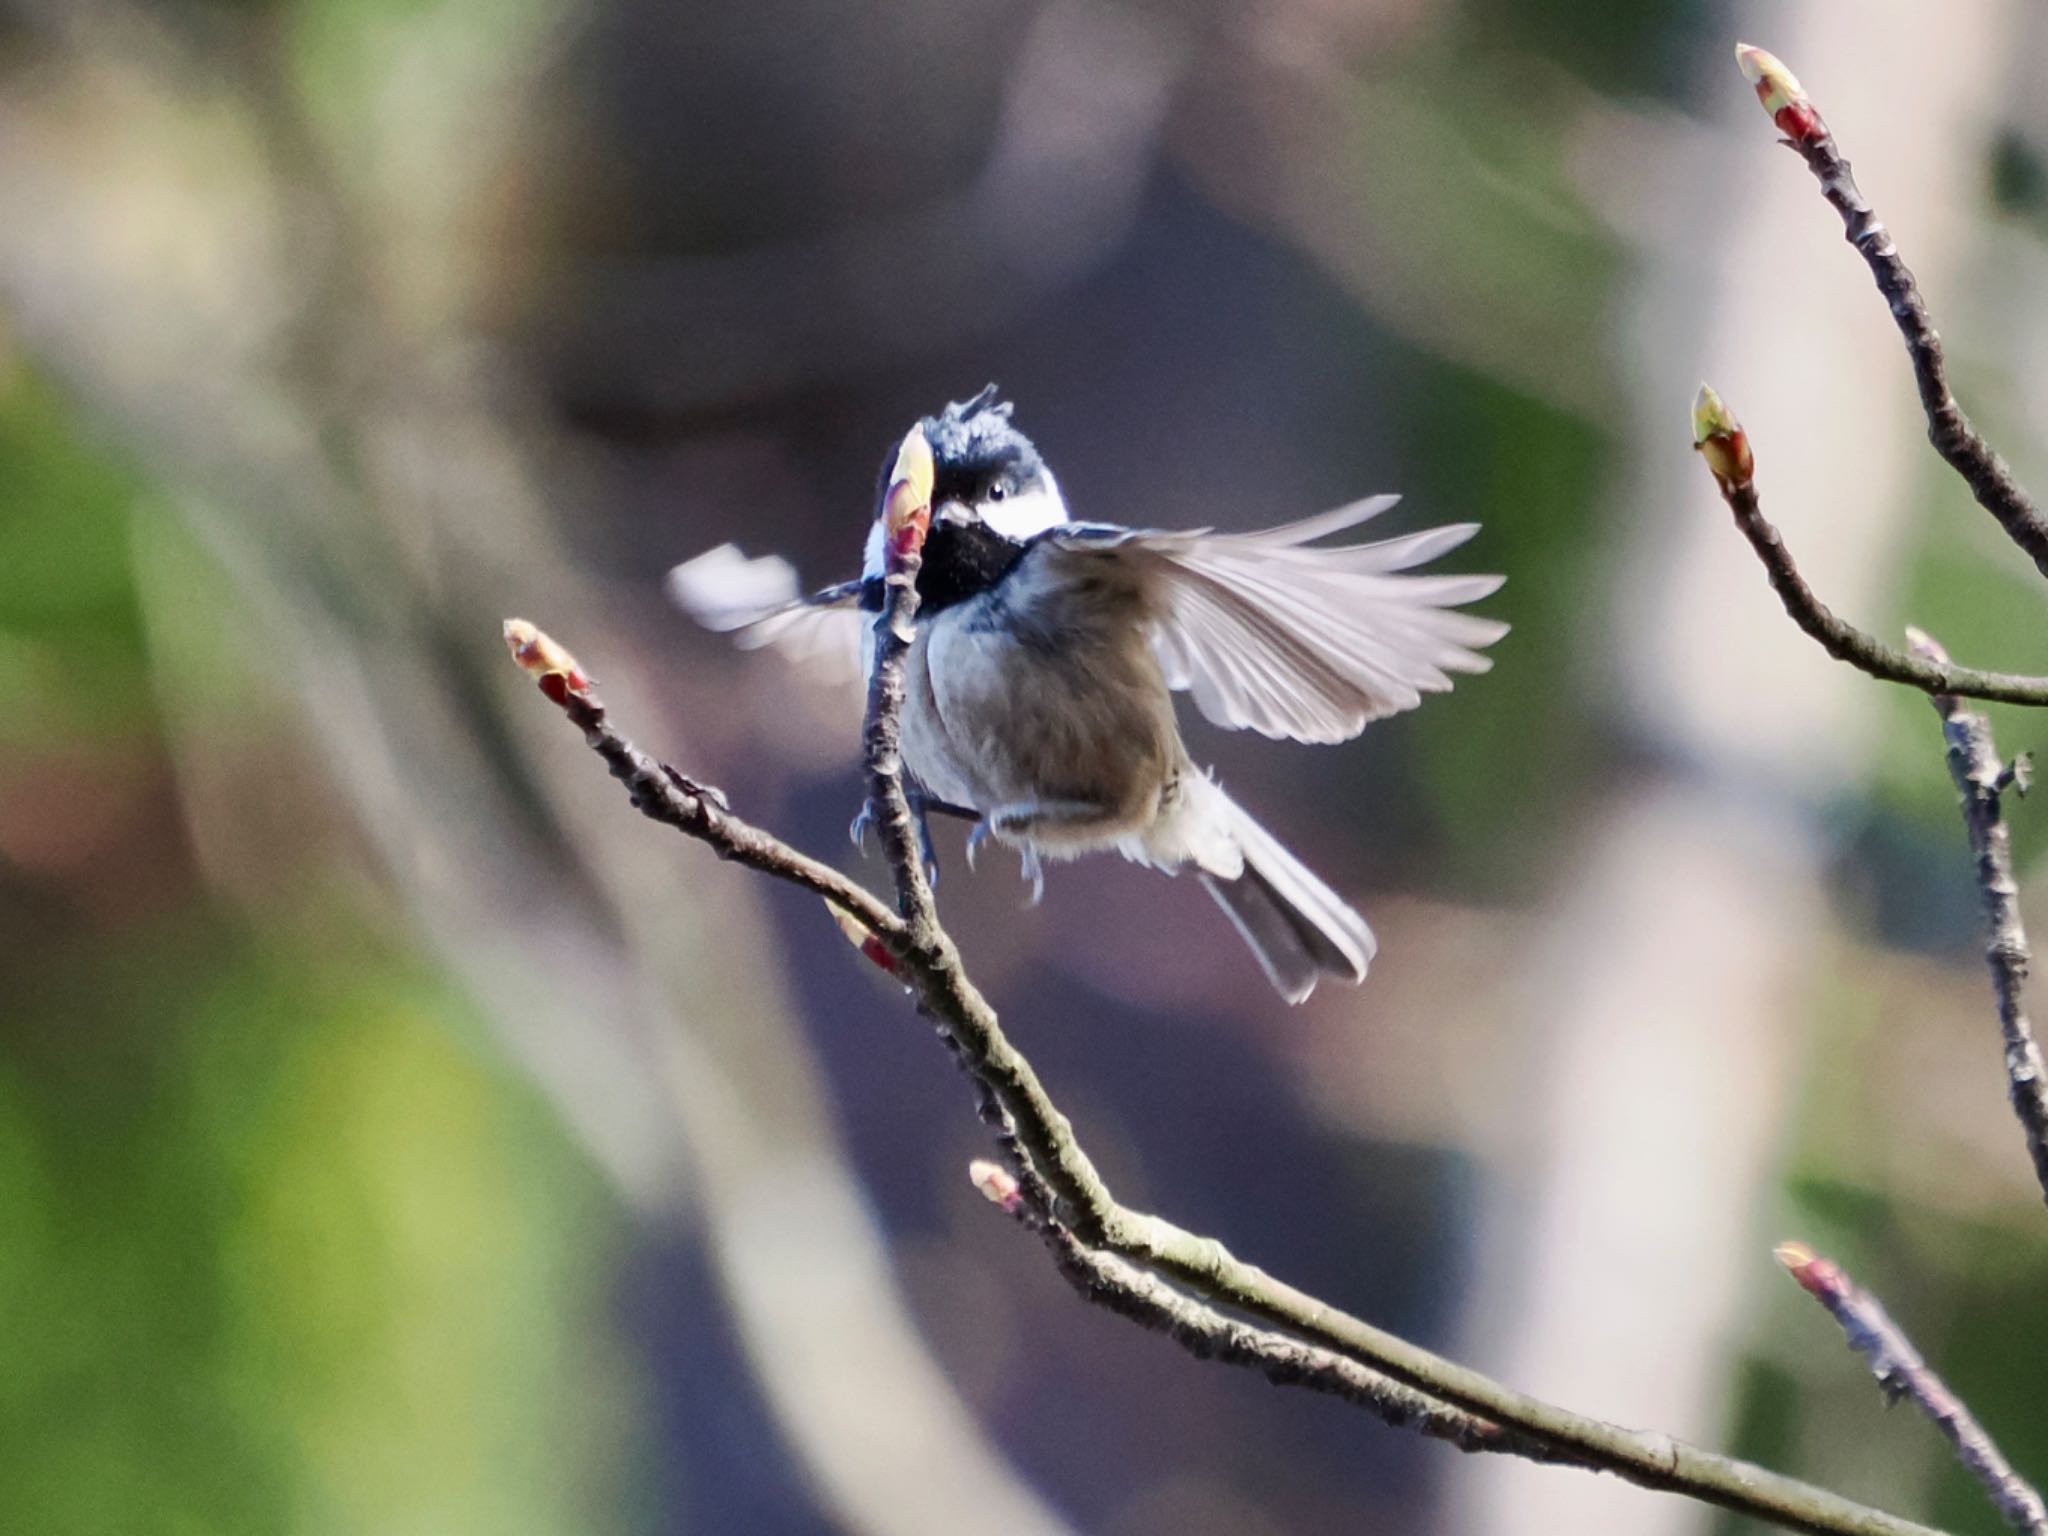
(927, 854)
(864, 823)
(1008, 824)
(1022, 823)
(1033, 870)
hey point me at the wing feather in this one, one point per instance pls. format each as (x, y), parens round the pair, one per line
(1268, 632)
(757, 600)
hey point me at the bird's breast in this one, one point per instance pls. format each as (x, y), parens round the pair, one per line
(1018, 711)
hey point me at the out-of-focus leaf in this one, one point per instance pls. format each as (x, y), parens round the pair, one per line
(295, 1255)
(70, 643)
(1531, 475)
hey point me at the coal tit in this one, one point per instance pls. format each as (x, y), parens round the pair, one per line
(1047, 652)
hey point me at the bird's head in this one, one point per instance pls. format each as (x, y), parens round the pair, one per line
(984, 472)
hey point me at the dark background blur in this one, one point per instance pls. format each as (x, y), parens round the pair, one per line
(398, 1135)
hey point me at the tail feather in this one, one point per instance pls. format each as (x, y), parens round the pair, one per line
(1298, 927)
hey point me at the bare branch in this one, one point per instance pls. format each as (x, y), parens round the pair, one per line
(1953, 434)
(1209, 1334)
(1189, 1287)
(1901, 1372)
(1721, 441)
(1982, 777)
(664, 795)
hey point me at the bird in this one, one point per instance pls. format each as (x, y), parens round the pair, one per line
(1046, 652)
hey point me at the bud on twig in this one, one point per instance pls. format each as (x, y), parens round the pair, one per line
(861, 939)
(543, 659)
(1903, 1373)
(1816, 1276)
(1925, 646)
(998, 1184)
(1781, 94)
(907, 506)
(1720, 440)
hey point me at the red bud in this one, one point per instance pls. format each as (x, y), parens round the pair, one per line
(997, 1183)
(1816, 1276)
(861, 939)
(907, 507)
(1781, 94)
(545, 660)
(1720, 440)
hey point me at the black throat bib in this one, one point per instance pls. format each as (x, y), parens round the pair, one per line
(963, 561)
(960, 561)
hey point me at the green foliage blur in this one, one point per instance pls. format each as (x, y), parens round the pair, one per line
(288, 1245)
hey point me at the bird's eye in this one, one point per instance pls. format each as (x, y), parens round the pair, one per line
(998, 491)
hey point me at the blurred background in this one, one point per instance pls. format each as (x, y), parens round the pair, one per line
(399, 1135)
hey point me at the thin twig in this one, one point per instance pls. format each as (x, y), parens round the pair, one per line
(1901, 1372)
(1980, 775)
(1953, 434)
(1120, 1286)
(662, 794)
(1981, 778)
(1298, 1338)
(1725, 446)
(888, 796)
(1845, 642)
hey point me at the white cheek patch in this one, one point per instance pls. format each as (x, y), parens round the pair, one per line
(1028, 513)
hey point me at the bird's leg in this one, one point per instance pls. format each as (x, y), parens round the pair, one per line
(1030, 866)
(920, 815)
(1024, 818)
(1018, 823)
(922, 808)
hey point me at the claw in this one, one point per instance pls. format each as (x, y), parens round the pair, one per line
(927, 854)
(1030, 866)
(864, 823)
(1033, 869)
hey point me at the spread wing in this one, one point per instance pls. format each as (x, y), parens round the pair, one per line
(1270, 634)
(758, 599)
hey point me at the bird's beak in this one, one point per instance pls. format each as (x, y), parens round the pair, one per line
(907, 504)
